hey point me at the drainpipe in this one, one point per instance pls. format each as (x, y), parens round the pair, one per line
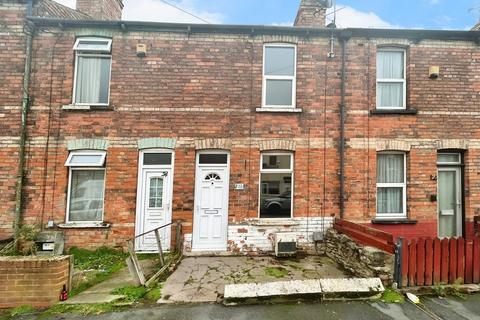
(23, 127)
(344, 39)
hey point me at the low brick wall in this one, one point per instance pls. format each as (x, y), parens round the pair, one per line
(35, 281)
(361, 261)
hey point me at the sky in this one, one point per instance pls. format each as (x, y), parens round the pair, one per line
(417, 14)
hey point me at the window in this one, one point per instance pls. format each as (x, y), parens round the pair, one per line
(391, 185)
(92, 71)
(279, 75)
(449, 158)
(86, 187)
(276, 181)
(391, 84)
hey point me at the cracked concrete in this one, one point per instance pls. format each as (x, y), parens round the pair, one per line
(203, 279)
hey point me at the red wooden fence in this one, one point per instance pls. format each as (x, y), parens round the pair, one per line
(427, 262)
(366, 235)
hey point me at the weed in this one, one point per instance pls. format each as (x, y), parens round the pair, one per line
(131, 293)
(82, 309)
(276, 272)
(443, 290)
(392, 296)
(154, 294)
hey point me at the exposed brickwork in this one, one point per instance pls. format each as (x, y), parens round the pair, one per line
(310, 14)
(35, 281)
(203, 90)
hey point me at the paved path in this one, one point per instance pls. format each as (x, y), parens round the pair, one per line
(444, 308)
(202, 279)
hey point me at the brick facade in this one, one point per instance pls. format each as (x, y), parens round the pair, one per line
(202, 89)
(36, 281)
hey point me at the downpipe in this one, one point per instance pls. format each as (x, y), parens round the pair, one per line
(29, 30)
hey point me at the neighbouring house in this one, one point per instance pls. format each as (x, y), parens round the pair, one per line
(238, 131)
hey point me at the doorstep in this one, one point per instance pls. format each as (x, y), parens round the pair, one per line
(323, 289)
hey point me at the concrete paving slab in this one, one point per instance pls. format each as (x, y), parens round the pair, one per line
(351, 288)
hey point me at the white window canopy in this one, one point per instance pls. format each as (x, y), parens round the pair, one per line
(86, 159)
(93, 45)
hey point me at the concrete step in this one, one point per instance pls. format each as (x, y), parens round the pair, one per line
(316, 290)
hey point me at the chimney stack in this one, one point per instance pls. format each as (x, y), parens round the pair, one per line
(312, 13)
(101, 9)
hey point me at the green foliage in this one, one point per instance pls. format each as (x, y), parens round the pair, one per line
(82, 309)
(153, 295)
(276, 272)
(28, 234)
(443, 290)
(106, 260)
(131, 293)
(392, 296)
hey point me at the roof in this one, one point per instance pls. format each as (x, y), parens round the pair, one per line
(413, 34)
(477, 26)
(52, 9)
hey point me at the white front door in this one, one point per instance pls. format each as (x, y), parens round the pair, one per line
(211, 202)
(450, 218)
(153, 203)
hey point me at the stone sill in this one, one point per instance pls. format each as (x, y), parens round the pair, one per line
(393, 221)
(84, 226)
(77, 107)
(272, 222)
(408, 111)
(279, 110)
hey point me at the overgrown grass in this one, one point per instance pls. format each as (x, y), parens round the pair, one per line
(106, 261)
(82, 309)
(276, 272)
(392, 296)
(131, 293)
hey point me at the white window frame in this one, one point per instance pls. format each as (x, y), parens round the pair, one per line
(403, 81)
(399, 215)
(69, 163)
(450, 163)
(291, 170)
(268, 77)
(92, 53)
(67, 215)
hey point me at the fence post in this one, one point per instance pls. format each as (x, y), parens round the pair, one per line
(398, 263)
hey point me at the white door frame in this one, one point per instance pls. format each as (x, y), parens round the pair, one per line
(459, 197)
(139, 216)
(198, 180)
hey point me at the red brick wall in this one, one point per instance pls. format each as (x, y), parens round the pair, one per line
(208, 86)
(12, 47)
(35, 281)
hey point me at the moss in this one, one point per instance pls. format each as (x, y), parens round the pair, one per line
(154, 294)
(392, 296)
(276, 272)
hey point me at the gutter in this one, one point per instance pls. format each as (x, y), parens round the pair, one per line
(414, 35)
(23, 127)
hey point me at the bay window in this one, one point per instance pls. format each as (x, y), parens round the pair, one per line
(391, 185)
(86, 187)
(92, 71)
(391, 79)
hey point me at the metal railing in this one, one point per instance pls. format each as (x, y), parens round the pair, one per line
(133, 262)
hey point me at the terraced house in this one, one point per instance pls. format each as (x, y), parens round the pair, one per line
(238, 131)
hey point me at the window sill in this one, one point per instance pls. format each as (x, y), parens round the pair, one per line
(408, 111)
(77, 107)
(393, 221)
(84, 226)
(278, 110)
(273, 222)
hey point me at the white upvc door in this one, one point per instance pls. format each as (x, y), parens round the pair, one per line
(154, 206)
(211, 206)
(450, 217)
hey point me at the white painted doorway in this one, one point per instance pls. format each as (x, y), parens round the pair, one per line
(154, 199)
(210, 221)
